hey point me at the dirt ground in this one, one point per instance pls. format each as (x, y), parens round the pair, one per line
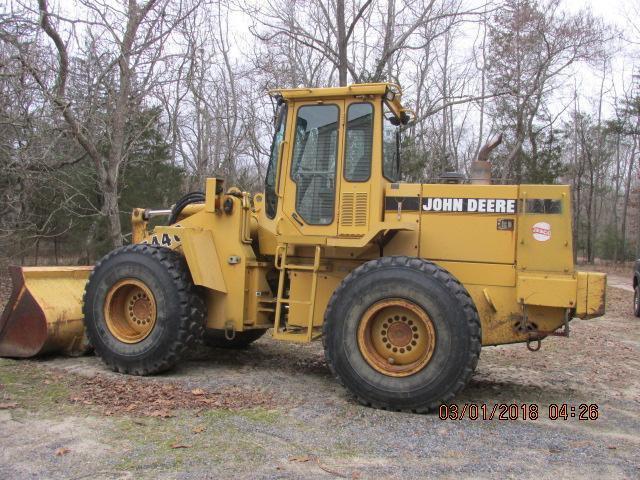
(274, 411)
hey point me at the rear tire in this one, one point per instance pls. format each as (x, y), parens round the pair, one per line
(217, 338)
(448, 347)
(636, 301)
(141, 309)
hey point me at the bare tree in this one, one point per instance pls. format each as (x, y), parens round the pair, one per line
(532, 44)
(124, 49)
(340, 31)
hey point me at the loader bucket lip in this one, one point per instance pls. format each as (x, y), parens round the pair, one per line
(27, 328)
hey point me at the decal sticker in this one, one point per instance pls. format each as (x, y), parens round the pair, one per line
(164, 239)
(470, 205)
(541, 231)
(406, 204)
(505, 224)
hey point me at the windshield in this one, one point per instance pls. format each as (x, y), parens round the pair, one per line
(390, 145)
(270, 196)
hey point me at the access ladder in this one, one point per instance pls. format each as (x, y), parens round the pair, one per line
(284, 333)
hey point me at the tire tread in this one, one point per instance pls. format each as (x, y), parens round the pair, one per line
(430, 268)
(191, 323)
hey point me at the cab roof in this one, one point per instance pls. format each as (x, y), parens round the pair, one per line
(391, 91)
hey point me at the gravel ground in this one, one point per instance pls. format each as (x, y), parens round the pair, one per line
(311, 428)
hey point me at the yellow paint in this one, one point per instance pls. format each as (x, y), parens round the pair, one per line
(467, 237)
(58, 291)
(547, 289)
(205, 269)
(210, 194)
(516, 264)
(555, 254)
(592, 288)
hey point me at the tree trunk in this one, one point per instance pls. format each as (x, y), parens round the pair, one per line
(37, 253)
(616, 194)
(110, 207)
(444, 160)
(342, 43)
(627, 194)
(89, 244)
(483, 88)
(576, 222)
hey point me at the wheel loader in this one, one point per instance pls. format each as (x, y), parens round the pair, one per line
(403, 282)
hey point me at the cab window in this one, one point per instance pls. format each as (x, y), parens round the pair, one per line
(313, 167)
(270, 194)
(390, 144)
(358, 142)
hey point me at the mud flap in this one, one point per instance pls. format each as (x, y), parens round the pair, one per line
(44, 312)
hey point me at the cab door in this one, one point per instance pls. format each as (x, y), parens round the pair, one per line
(355, 184)
(311, 200)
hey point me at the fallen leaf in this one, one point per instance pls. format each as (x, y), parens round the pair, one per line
(161, 414)
(181, 445)
(300, 459)
(580, 444)
(62, 451)
(8, 405)
(612, 447)
(199, 429)
(161, 399)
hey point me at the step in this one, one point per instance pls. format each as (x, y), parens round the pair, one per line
(288, 301)
(296, 336)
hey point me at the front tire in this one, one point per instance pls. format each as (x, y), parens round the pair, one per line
(141, 309)
(402, 333)
(636, 301)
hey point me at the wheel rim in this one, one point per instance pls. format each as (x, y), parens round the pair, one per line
(396, 337)
(130, 310)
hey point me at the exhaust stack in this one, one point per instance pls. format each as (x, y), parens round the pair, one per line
(481, 167)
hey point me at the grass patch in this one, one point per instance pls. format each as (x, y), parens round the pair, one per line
(260, 415)
(144, 443)
(174, 443)
(34, 388)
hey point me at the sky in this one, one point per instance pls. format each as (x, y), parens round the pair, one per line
(614, 13)
(588, 78)
(611, 10)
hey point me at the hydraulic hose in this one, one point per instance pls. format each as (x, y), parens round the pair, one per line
(189, 198)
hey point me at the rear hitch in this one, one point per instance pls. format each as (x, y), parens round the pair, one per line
(534, 340)
(229, 330)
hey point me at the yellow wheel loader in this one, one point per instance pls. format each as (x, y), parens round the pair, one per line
(403, 282)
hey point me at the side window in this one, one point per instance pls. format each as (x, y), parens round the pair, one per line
(270, 195)
(390, 145)
(359, 142)
(313, 168)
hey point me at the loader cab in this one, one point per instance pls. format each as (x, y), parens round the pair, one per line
(333, 153)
